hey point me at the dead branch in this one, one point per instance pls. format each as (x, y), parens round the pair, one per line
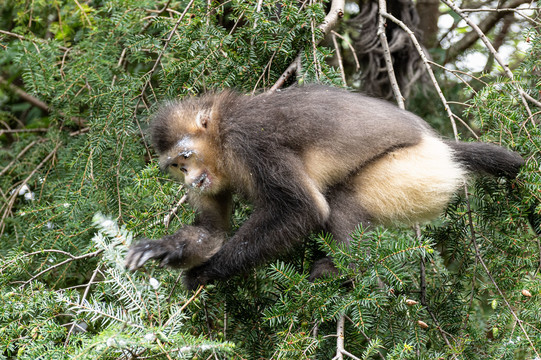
(497, 57)
(339, 58)
(340, 350)
(35, 101)
(23, 151)
(357, 64)
(83, 298)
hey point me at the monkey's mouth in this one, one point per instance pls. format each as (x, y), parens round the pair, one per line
(202, 182)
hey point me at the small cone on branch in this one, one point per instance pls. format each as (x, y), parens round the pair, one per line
(422, 324)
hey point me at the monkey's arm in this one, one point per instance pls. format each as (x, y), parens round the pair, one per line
(190, 245)
(287, 210)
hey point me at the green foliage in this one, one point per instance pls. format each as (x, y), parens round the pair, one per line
(100, 67)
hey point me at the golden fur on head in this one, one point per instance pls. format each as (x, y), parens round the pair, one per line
(410, 184)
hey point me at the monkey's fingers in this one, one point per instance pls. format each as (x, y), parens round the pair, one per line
(143, 251)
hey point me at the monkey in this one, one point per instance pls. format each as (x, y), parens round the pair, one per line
(311, 158)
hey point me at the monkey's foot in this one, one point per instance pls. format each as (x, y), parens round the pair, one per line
(323, 268)
(195, 277)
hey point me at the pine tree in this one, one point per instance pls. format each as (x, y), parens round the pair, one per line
(90, 75)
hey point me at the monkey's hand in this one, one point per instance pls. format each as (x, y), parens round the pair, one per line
(160, 250)
(189, 247)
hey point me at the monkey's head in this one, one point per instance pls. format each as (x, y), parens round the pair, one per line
(184, 135)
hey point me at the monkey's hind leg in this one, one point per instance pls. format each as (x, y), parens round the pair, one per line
(344, 217)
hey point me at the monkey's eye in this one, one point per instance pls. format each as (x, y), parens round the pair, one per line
(184, 170)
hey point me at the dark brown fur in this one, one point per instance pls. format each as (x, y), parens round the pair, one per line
(293, 154)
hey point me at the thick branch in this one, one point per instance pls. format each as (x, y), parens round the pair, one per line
(35, 101)
(25, 96)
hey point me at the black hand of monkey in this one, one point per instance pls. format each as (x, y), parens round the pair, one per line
(189, 247)
(147, 249)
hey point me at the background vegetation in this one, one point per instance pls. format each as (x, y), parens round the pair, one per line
(78, 81)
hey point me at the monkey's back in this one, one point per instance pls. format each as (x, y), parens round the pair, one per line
(334, 132)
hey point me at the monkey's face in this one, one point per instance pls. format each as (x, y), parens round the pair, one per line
(192, 159)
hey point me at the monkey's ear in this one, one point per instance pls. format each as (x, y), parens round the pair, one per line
(202, 119)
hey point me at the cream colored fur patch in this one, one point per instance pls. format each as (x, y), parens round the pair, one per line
(412, 184)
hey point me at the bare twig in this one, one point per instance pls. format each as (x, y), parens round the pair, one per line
(159, 13)
(174, 210)
(387, 54)
(21, 153)
(6, 265)
(428, 69)
(83, 12)
(83, 298)
(14, 131)
(496, 55)
(518, 11)
(173, 317)
(72, 258)
(339, 58)
(485, 25)
(20, 37)
(353, 52)
(154, 68)
(9, 204)
(160, 55)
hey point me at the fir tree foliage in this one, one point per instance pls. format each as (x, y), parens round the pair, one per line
(468, 288)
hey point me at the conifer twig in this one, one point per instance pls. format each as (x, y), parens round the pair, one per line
(489, 274)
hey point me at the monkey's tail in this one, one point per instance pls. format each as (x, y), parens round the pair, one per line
(487, 158)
